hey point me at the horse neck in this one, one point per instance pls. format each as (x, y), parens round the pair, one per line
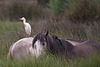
(59, 47)
(67, 50)
(68, 46)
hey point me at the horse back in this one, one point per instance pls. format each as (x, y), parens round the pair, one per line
(87, 49)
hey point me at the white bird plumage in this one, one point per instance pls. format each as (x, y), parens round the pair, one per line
(27, 26)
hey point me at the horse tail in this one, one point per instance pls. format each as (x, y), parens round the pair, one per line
(9, 56)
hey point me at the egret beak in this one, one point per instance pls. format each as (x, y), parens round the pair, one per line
(20, 18)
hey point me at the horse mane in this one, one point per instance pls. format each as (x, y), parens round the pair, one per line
(38, 36)
(59, 46)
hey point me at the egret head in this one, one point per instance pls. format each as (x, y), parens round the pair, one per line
(23, 18)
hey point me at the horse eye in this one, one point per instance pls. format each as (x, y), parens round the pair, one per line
(43, 43)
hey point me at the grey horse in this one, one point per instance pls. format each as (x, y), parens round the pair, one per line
(23, 48)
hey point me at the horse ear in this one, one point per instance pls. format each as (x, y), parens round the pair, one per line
(46, 34)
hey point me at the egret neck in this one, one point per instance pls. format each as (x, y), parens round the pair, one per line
(24, 21)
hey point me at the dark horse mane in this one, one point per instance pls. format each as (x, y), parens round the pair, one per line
(38, 36)
(58, 46)
(55, 45)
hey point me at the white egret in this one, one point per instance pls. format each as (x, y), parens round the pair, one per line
(26, 26)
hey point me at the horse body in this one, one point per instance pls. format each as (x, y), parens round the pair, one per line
(74, 42)
(87, 48)
(23, 48)
(67, 48)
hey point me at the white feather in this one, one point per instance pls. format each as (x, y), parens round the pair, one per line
(27, 26)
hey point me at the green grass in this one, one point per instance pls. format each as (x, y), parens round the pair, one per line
(9, 26)
(51, 61)
(12, 31)
(93, 62)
